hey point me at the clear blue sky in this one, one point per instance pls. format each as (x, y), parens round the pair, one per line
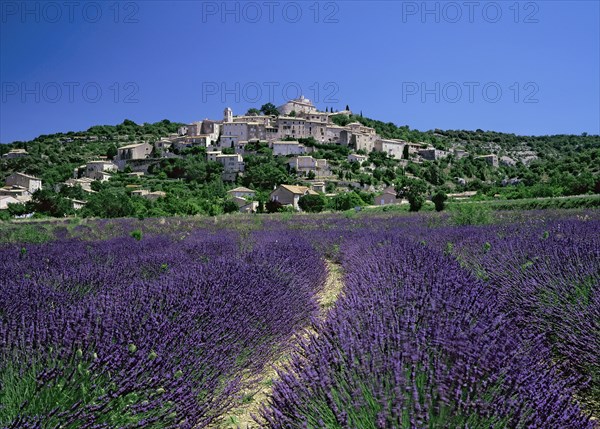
(435, 66)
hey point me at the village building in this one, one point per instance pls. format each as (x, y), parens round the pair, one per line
(298, 105)
(152, 196)
(233, 164)
(244, 205)
(388, 196)
(99, 170)
(242, 192)
(84, 182)
(333, 134)
(289, 126)
(163, 145)
(25, 181)
(286, 148)
(305, 164)
(318, 187)
(211, 155)
(15, 153)
(432, 154)
(491, 159)
(134, 151)
(394, 148)
(76, 204)
(233, 132)
(290, 195)
(353, 157)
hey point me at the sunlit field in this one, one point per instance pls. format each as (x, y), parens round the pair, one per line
(435, 322)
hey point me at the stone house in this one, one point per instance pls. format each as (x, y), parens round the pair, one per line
(287, 148)
(84, 182)
(387, 197)
(99, 170)
(298, 105)
(289, 126)
(432, 154)
(22, 180)
(353, 157)
(290, 195)
(393, 147)
(242, 192)
(306, 164)
(233, 163)
(491, 159)
(244, 205)
(134, 151)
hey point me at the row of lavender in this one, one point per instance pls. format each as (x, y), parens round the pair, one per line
(417, 340)
(546, 274)
(158, 333)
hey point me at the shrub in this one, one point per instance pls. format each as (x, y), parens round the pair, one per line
(471, 214)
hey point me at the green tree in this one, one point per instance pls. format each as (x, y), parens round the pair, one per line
(229, 206)
(109, 203)
(269, 109)
(346, 201)
(439, 199)
(253, 112)
(413, 190)
(312, 203)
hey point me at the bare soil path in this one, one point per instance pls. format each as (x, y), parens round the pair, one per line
(241, 416)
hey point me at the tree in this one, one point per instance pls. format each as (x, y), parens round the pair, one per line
(273, 206)
(412, 190)
(269, 109)
(439, 199)
(312, 203)
(253, 112)
(346, 201)
(230, 206)
(293, 113)
(112, 152)
(109, 203)
(48, 202)
(347, 108)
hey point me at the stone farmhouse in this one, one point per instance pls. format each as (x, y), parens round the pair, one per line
(387, 197)
(84, 182)
(244, 205)
(285, 148)
(134, 151)
(96, 170)
(24, 181)
(289, 195)
(431, 154)
(241, 192)
(491, 159)
(305, 164)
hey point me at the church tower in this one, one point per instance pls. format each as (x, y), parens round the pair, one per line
(228, 115)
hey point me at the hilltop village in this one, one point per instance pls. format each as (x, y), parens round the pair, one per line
(292, 157)
(294, 132)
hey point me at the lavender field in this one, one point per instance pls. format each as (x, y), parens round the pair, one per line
(177, 322)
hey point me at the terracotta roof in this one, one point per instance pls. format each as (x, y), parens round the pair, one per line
(301, 190)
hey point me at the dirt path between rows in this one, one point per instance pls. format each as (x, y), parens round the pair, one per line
(241, 416)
